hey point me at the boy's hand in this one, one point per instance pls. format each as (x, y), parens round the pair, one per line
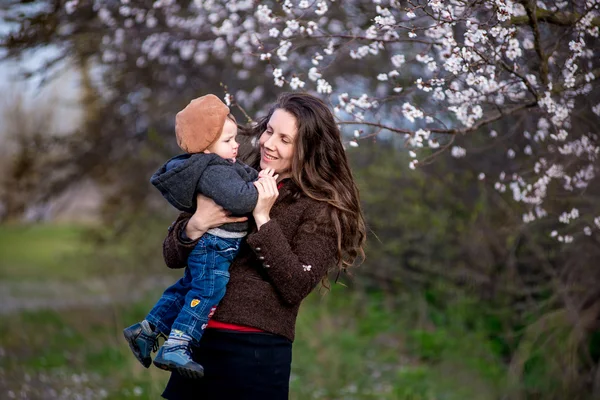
(267, 172)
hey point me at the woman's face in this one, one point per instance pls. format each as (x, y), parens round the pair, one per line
(277, 143)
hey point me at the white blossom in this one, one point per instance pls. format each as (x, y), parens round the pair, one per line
(458, 152)
(296, 83)
(329, 49)
(411, 113)
(264, 14)
(398, 60)
(316, 58)
(284, 47)
(291, 27)
(436, 5)
(313, 74)
(323, 86)
(287, 6)
(423, 87)
(311, 27)
(438, 94)
(528, 44)
(514, 49)
(321, 8)
(528, 217)
(71, 6)
(567, 217)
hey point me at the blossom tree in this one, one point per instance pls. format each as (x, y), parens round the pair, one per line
(438, 74)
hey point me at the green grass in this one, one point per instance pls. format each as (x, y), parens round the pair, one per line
(349, 345)
(40, 252)
(79, 350)
(353, 346)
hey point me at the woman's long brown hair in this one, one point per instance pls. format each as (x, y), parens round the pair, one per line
(321, 170)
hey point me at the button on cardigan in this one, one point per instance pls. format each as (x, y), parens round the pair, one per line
(298, 245)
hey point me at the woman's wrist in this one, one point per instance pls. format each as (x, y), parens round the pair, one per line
(193, 232)
(261, 220)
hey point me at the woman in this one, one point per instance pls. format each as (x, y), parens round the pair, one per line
(308, 221)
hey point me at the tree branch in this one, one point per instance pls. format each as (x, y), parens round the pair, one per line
(559, 87)
(532, 15)
(358, 37)
(553, 18)
(455, 131)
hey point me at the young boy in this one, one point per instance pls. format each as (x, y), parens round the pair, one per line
(206, 131)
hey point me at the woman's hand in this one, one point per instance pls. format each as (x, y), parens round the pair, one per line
(208, 215)
(267, 194)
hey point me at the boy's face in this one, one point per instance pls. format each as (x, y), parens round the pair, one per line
(226, 146)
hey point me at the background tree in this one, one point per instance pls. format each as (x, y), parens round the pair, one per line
(429, 71)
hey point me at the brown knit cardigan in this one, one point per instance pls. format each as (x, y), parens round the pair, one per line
(276, 268)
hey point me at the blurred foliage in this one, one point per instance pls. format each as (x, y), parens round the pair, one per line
(439, 234)
(55, 247)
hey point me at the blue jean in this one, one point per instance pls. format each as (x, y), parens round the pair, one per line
(189, 303)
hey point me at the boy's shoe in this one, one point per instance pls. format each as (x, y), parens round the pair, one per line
(176, 356)
(142, 341)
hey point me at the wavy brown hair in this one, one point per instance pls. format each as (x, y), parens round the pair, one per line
(321, 170)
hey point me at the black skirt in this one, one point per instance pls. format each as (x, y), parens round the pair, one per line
(237, 365)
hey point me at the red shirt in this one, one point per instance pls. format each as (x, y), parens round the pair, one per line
(231, 327)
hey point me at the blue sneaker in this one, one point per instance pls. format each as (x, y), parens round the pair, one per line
(142, 341)
(176, 356)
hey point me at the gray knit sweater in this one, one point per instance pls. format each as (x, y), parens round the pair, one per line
(228, 183)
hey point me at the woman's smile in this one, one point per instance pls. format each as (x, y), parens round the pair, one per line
(268, 157)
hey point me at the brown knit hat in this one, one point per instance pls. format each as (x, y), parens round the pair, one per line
(200, 124)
